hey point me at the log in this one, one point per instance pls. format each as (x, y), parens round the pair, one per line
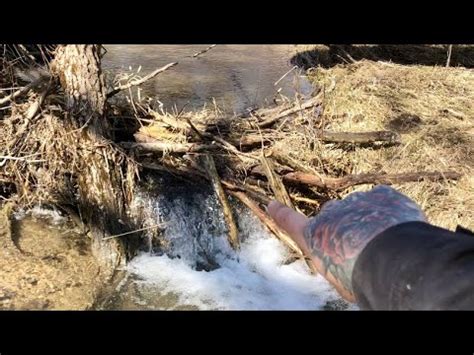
(342, 183)
(228, 216)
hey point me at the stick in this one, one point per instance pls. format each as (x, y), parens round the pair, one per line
(228, 216)
(285, 159)
(21, 91)
(342, 183)
(203, 51)
(346, 54)
(360, 137)
(119, 88)
(253, 140)
(448, 60)
(252, 191)
(35, 107)
(131, 232)
(166, 147)
(267, 221)
(272, 226)
(276, 184)
(308, 104)
(6, 157)
(284, 75)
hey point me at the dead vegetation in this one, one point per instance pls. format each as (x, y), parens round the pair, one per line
(369, 122)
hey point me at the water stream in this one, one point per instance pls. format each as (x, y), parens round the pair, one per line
(195, 268)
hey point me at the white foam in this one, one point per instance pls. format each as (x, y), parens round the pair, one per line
(255, 279)
(38, 211)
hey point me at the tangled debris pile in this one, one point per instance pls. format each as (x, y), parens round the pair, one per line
(300, 152)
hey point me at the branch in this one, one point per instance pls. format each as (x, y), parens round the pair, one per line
(360, 137)
(308, 104)
(276, 184)
(21, 91)
(228, 216)
(375, 178)
(119, 88)
(203, 51)
(272, 226)
(166, 147)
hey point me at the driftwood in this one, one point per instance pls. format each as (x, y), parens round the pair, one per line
(228, 216)
(359, 179)
(132, 83)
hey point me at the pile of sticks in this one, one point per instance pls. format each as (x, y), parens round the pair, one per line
(239, 159)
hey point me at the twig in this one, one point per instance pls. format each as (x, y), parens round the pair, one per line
(308, 104)
(360, 137)
(272, 226)
(35, 107)
(346, 54)
(203, 51)
(342, 183)
(21, 91)
(284, 75)
(7, 157)
(448, 60)
(267, 221)
(134, 231)
(276, 184)
(132, 83)
(228, 216)
(166, 147)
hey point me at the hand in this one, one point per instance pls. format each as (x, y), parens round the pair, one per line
(335, 237)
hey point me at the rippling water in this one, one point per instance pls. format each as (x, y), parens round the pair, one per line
(236, 76)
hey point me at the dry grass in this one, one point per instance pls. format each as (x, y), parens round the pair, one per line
(431, 107)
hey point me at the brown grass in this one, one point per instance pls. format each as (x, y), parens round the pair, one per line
(431, 107)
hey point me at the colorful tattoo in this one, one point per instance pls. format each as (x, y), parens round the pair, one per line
(338, 234)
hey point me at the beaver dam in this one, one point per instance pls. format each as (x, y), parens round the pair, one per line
(136, 177)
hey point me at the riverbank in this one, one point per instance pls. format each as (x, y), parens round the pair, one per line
(368, 122)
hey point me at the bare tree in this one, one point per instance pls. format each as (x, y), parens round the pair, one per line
(102, 199)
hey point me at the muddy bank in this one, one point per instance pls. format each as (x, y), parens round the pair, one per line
(46, 263)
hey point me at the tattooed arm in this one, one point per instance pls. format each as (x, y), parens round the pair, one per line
(337, 235)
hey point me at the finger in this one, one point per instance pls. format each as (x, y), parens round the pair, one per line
(292, 222)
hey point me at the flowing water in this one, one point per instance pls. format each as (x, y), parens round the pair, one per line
(195, 268)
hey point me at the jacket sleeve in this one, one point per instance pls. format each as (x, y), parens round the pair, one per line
(416, 266)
